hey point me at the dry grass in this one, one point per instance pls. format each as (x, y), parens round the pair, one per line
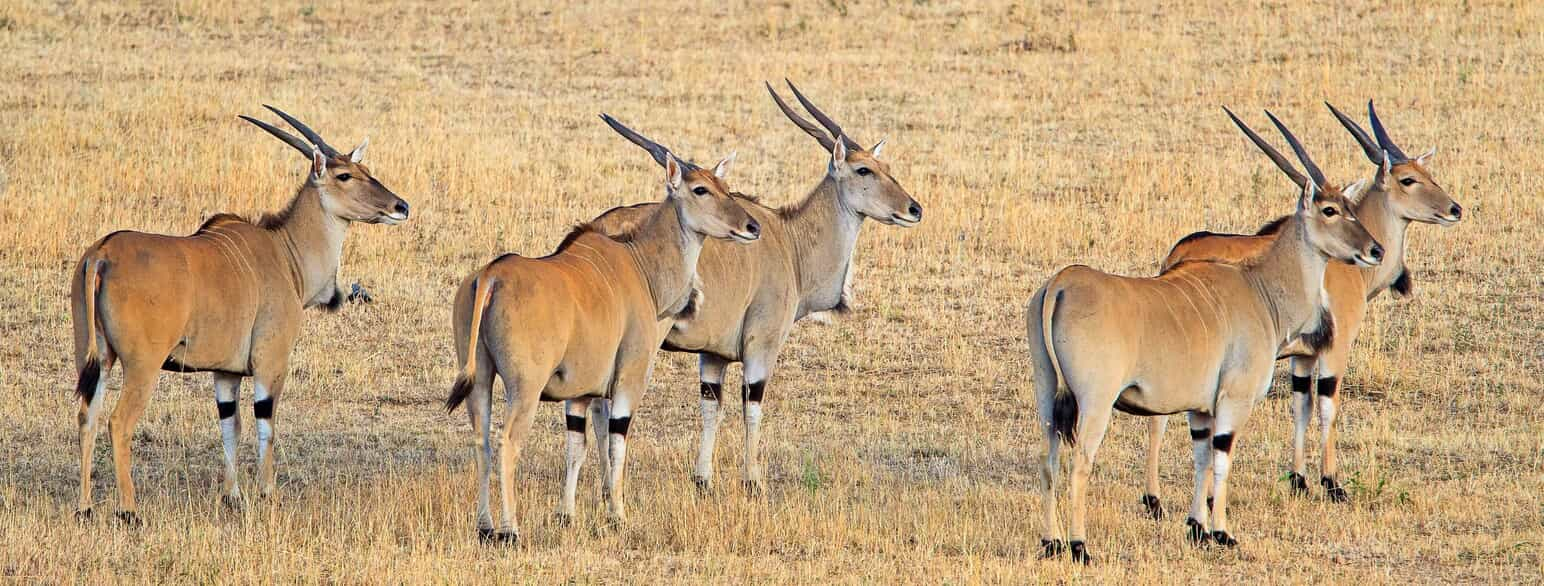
(896, 439)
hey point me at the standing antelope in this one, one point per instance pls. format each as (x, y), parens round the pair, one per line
(226, 300)
(753, 295)
(1402, 191)
(584, 322)
(1095, 339)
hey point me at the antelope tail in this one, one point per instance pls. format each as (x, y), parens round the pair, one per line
(482, 291)
(91, 372)
(1064, 412)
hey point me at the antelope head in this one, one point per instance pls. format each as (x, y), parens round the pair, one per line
(1329, 220)
(1412, 193)
(700, 196)
(348, 191)
(863, 182)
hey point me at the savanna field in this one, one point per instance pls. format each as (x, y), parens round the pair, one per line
(900, 440)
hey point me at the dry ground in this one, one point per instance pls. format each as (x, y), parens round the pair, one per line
(898, 439)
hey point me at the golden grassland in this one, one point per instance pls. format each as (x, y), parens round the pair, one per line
(899, 440)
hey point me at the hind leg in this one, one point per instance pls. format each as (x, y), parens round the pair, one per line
(524, 397)
(1201, 449)
(479, 409)
(139, 381)
(86, 419)
(1155, 428)
(1051, 544)
(1093, 422)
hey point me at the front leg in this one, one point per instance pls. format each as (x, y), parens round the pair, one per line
(757, 371)
(265, 400)
(573, 458)
(227, 387)
(711, 375)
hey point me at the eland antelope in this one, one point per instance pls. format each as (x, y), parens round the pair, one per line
(753, 295)
(584, 322)
(227, 300)
(1402, 191)
(1201, 338)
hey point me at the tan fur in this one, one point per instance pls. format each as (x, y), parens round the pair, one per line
(754, 294)
(227, 299)
(1201, 338)
(584, 322)
(1386, 208)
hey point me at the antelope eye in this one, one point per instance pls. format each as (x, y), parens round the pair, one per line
(864, 171)
(1329, 212)
(1408, 181)
(700, 190)
(345, 177)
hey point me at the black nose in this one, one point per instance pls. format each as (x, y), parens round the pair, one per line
(401, 207)
(753, 228)
(915, 209)
(1457, 211)
(1376, 252)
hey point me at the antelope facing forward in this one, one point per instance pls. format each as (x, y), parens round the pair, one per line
(1094, 339)
(753, 295)
(226, 300)
(584, 322)
(1402, 192)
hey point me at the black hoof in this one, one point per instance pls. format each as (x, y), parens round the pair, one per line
(83, 515)
(1050, 548)
(1080, 553)
(1222, 538)
(753, 488)
(232, 503)
(492, 537)
(704, 486)
(1195, 532)
(129, 519)
(1333, 490)
(1153, 506)
(563, 520)
(1299, 484)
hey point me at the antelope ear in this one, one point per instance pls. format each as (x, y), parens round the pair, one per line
(318, 165)
(1425, 158)
(839, 152)
(358, 154)
(879, 146)
(1354, 190)
(1309, 191)
(673, 178)
(722, 168)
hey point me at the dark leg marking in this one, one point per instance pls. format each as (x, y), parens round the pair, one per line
(263, 409)
(1328, 386)
(712, 391)
(1299, 484)
(1200, 434)
(227, 409)
(1050, 548)
(753, 391)
(1195, 532)
(576, 423)
(619, 425)
(1301, 384)
(1153, 505)
(1333, 490)
(1223, 443)
(130, 519)
(1080, 553)
(1222, 538)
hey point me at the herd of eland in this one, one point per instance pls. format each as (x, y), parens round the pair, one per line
(710, 271)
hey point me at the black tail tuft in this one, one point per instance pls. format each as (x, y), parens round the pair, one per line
(458, 393)
(89, 376)
(1064, 416)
